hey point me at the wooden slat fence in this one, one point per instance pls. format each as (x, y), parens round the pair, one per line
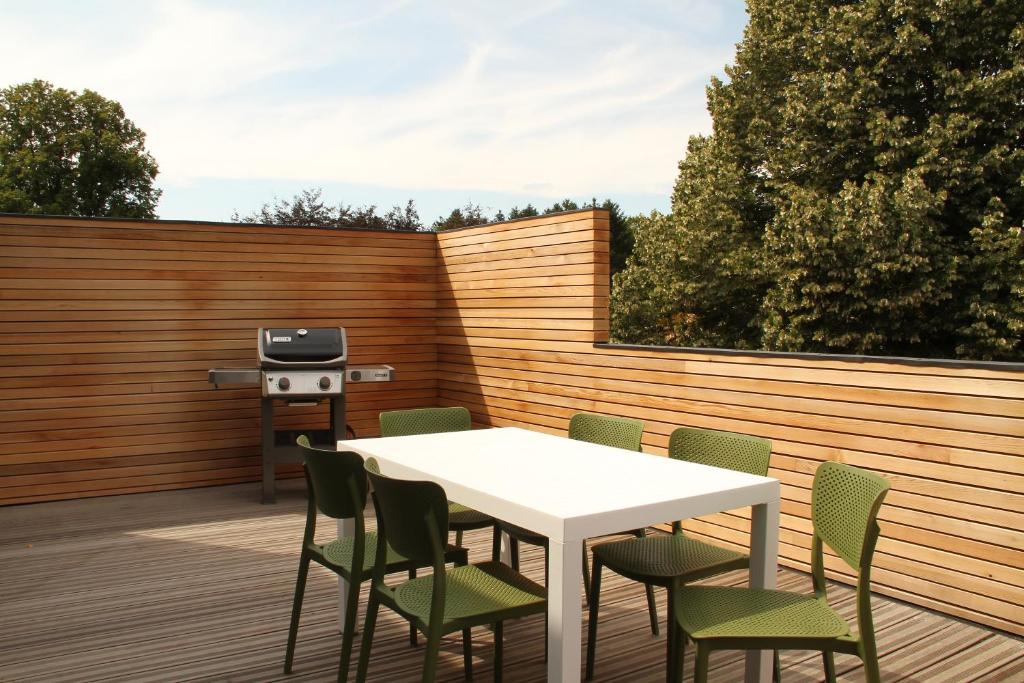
(520, 305)
(108, 328)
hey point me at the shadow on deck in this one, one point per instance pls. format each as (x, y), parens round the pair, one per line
(196, 585)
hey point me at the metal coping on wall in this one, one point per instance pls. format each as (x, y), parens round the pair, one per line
(170, 221)
(895, 360)
(231, 224)
(519, 220)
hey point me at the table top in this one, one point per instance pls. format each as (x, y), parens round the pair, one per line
(564, 489)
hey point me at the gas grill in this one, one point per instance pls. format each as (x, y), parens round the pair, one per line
(299, 366)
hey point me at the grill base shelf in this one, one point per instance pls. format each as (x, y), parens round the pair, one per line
(279, 444)
(284, 440)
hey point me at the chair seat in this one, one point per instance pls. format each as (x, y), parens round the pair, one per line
(661, 557)
(710, 612)
(339, 553)
(462, 517)
(471, 591)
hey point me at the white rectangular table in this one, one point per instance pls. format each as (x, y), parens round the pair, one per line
(573, 490)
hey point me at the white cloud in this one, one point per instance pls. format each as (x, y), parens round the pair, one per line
(539, 95)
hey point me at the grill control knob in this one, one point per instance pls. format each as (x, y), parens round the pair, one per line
(284, 384)
(325, 383)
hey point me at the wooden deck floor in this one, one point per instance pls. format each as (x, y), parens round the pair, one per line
(196, 585)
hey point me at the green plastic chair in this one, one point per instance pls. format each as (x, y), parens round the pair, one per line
(337, 487)
(436, 421)
(844, 512)
(412, 516)
(618, 432)
(666, 560)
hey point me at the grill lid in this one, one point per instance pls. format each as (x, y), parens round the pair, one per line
(297, 346)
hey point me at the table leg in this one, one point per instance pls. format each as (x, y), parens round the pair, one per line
(346, 527)
(565, 614)
(764, 568)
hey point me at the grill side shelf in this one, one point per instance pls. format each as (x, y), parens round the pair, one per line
(249, 377)
(370, 373)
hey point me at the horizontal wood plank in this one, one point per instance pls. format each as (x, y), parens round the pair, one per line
(108, 329)
(949, 437)
(148, 604)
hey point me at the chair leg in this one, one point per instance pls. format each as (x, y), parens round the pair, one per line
(351, 605)
(679, 653)
(499, 649)
(872, 674)
(586, 573)
(412, 627)
(672, 663)
(458, 538)
(777, 667)
(433, 649)
(700, 674)
(467, 653)
(293, 627)
(367, 642)
(869, 655)
(595, 599)
(652, 608)
(830, 666)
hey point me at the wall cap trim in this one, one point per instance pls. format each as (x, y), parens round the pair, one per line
(894, 360)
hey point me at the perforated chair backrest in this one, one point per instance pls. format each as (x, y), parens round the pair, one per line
(424, 421)
(844, 510)
(334, 476)
(619, 432)
(738, 452)
(414, 515)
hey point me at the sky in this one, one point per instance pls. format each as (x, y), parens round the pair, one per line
(493, 103)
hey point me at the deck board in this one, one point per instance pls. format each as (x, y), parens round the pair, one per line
(196, 585)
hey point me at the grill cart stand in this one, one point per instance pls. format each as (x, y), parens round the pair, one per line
(299, 366)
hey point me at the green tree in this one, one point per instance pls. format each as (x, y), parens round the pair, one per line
(72, 154)
(914, 110)
(644, 307)
(564, 205)
(307, 208)
(621, 239)
(695, 277)
(527, 211)
(407, 218)
(470, 214)
(304, 209)
(863, 180)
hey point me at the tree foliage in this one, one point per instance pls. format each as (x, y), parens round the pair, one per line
(515, 212)
(470, 214)
(72, 154)
(527, 211)
(307, 208)
(862, 190)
